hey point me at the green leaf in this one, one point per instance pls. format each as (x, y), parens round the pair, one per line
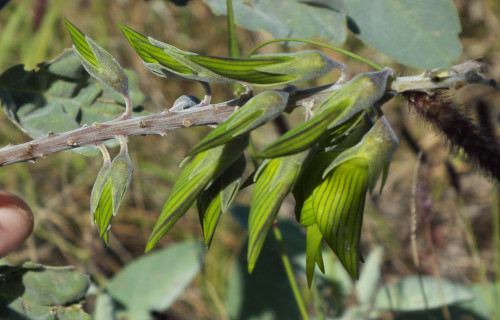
(421, 33)
(59, 95)
(273, 184)
(290, 18)
(484, 303)
(418, 293)
(154, 281)
(34, 291)
(217, 198)
(205, 167)
(97, 61)
(338, 202)
(111, 192)
(256, 112)
(345, 104)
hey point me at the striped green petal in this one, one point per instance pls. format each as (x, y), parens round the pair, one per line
(96, 189)
(305, 65)
(339, 203)
(203, 169)
(347, 103)
(217, 198)
(265, 69)
(154, 57)
(273, 184)
(257, 111)
(98, 62)
(376, 146)
(314, 254)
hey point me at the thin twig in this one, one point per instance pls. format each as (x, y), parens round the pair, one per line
(164, 122)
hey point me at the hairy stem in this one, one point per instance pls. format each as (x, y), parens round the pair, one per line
(164, 122)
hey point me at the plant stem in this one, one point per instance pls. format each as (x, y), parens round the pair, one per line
(289, 272)
(164, 122)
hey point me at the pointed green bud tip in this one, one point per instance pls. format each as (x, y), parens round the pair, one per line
(99, 63)
(344, 106)
(259, 110)
(303, 66)
(274, 182)
(338, 202)
(377, 147)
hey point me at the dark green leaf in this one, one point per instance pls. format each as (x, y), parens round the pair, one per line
(59, 96)
(420, 33)
(290, 18)
(34, 291)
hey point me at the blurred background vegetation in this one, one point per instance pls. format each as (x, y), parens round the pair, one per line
(455, 202)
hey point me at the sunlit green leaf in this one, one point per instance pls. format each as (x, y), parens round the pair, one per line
(216, 199)
(267, 69)
(153, 282)
(416, 293)
(306, 19)
(97, 61)
(257, 111)
(356, 96)
(273, 184)
(423, 34)
(338, 202)
(204, 168)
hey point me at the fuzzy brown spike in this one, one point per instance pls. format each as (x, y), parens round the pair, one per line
(443, 112)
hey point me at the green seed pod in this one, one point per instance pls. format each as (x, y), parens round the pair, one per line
(266, 69)
(112, 191)
(98, 62)
(257, 111)
(204, 169)
(274, 181)
(347, 103)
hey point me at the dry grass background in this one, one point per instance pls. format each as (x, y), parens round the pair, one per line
(58, 187)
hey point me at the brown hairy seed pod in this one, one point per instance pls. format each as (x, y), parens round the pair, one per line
(444, 113)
